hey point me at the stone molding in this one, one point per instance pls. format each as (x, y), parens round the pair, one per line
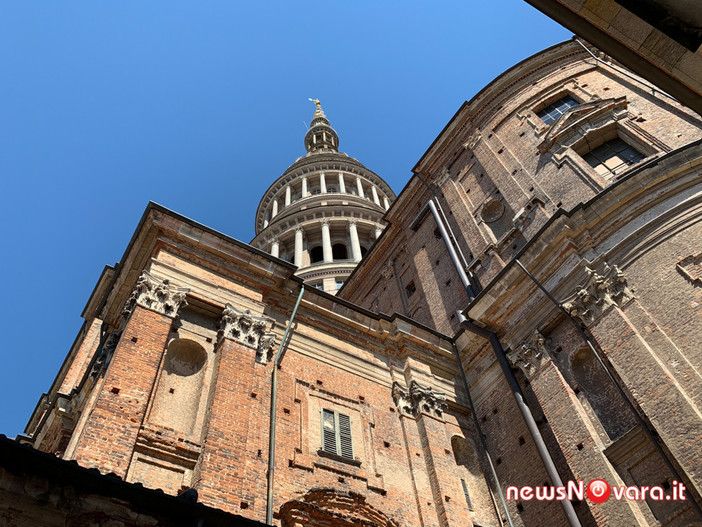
(601, 290)
(418, 399)
(156, 295)
(248, 330)
(691, 268)
(108, 348)
(532, 354)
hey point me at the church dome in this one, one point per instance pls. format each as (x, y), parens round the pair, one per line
(324, 212)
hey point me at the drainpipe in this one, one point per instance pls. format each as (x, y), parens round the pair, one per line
(480, 435)
(452, 251)
(596, 352)
(274, 398)
(526, 413)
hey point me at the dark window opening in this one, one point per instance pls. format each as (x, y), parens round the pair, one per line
(410, 289)
(555, 110)
(612, 157)
(316, 254)
(339, 251)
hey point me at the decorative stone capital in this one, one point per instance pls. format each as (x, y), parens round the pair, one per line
(156, 295)
(300, 229)
(601, 290)
(418, 399)
(472, 140)
(244, 328)
(352, 221)
(532, 354)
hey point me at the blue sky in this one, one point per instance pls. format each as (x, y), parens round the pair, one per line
(199, 106)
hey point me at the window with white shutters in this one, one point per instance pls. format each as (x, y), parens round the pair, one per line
(336, 434)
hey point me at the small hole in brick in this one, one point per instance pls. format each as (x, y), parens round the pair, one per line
(437, 262)
(558, 205)
(172, 390)
(392, 409)
(208, 340)
(606, 88)
(580, 446)
(134, 339)
(467, 191)
(498, 461)
(115, 390)
(254, 395)
(447, 498)
(481, 175)
(484, 418)
(666, 485)
(494, 411)
(319, 382)
(559, 349)
(290, 463)
(448, 282)
(520, 507)
(286, 410)
(372, 425)
(500, 150)
(244, 505)
(514, 246)
(386, 444)
(521, 441)
(521, 135)
(259, 453)
(447, 451)
(361, 398)
(531, 189)
(576, 390)
(453, 315)
(489, 136)
(342, 480)
(417, 454)
(538, 154)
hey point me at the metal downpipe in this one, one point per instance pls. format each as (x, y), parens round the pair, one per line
(526, 413)
(274, 398)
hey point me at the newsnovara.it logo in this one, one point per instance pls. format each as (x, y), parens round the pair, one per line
(597, 491)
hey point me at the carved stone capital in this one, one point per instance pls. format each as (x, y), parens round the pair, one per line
(532, 354)
(248, 330)
(472, 140)
(418, 399)
(352, 221)
(156, 295)
(601, 290)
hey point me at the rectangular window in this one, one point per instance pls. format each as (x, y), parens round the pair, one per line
(336, 434)
(410, 289)
(612, 157)
(467, 494)
(555, 110)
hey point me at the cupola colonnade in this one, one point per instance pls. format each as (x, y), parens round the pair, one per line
(326, 182)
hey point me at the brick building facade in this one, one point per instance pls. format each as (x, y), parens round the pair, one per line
(206, 363)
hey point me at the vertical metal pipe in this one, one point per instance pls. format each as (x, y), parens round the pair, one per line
(274, 397)
(480, 435)
(452, 251)
(526, 414)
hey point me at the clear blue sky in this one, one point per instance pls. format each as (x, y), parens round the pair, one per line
(199, 106)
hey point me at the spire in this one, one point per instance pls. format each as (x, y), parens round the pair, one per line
(321, 137)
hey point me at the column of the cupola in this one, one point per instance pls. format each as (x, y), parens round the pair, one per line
(322, 183)
(376, 200)
(386, 202)
(299, 234)
(274, 211)
(288, 195)
(326, 243)
(304, 186)
(342, 186)
(275, 248)
(359, 187)
(355, 244)
(378, 232)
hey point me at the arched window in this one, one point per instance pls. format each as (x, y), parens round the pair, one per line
(339, 251)
(316, 254)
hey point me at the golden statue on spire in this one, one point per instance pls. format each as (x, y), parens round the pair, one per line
(317, 103)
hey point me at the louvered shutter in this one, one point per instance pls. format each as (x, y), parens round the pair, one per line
(467, 494)
(328, 432)
(345, 444)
